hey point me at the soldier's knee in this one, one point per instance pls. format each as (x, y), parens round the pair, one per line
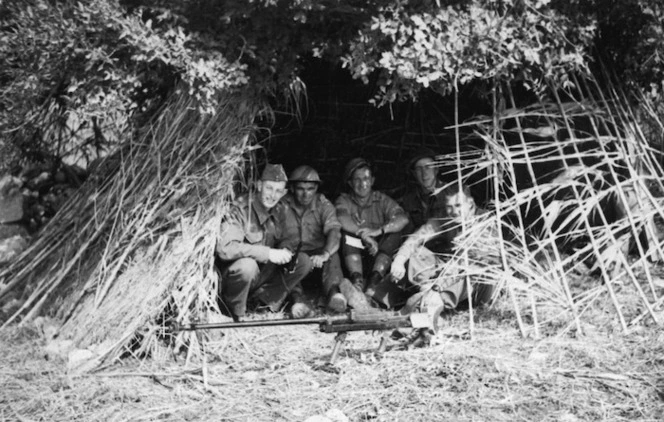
(304, 264)
(245, 269)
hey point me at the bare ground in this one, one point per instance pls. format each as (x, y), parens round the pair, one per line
(280, 374)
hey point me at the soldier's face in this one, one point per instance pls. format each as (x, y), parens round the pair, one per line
(459, 206)
(305, 192)
(425, 173)
(271, 192)
(362, 182)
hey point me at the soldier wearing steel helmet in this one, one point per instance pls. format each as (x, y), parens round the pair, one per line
(248, 259)
(311, 222)
(425, 198)
(371, 223)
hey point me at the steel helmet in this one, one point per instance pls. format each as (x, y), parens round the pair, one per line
(353, 165)
(304, 174)
(422, 152)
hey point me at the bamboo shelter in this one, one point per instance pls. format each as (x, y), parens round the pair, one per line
(138, 239)
(573, 180)
(576, 188)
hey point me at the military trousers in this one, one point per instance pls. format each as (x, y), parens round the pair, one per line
(269, 284)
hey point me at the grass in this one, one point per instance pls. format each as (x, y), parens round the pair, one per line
(280, 374)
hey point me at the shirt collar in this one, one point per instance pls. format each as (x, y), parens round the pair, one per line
(375, 197)
(289, 199)
(425, 194)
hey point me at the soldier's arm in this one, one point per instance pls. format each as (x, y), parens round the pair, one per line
(230, 240)
(344, 216)
(397, 217)
(331, 227)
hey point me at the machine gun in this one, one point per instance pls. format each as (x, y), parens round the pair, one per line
(340, 324)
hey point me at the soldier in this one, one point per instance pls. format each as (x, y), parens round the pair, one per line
(426, 199)
(311, 222)
(249, 265)
(371, 222)
(425, 250)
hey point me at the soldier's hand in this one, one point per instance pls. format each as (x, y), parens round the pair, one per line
(364, 232)
(398, 268)
(280, 256)
(371, 244)
(319, 260)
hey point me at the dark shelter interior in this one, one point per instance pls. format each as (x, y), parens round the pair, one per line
(334, 121)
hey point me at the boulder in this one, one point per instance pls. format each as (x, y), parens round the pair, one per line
(11, 247)
(11, 199)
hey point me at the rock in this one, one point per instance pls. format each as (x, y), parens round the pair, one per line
(11, 230)
(11, 248)
(48, 327)
(10, 306)
(318, 418)
(81, 360)
(39, 181)
(58, 349)
(332, 415)
(11, 199)
(337, 415)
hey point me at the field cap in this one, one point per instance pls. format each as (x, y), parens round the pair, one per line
(274, 173)
(353, 165)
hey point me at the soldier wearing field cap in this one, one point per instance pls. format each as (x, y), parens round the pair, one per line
(250, 265)
(371, 223)
(311, 222)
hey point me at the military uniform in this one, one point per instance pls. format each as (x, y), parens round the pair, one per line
(311, 228)
(245, 238)
(427, 251)
(421, 206)
(378, 211)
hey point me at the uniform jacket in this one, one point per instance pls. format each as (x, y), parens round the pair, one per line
(378, 211)
(314, 224)
(422, 206)
(249, 230)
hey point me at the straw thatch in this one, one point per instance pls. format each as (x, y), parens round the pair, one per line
(138, 240)
(576, 193)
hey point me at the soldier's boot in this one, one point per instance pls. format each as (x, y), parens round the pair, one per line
(358, 281)
(300, 307)
(374, 279)
(355, 296)
(336, 301)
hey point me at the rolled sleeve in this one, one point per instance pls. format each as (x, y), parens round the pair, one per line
(392, 208)
(342, 205)
(329, 216)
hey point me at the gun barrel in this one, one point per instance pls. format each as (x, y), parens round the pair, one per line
(350, 321)
(259, 323)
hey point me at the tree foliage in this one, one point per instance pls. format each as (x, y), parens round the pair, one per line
(78, 76)
(441, 48)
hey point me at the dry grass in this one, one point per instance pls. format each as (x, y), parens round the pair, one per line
(139, 237)
(279, 374)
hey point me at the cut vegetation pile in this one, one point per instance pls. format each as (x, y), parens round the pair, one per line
(577, 191)
(138, 240)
